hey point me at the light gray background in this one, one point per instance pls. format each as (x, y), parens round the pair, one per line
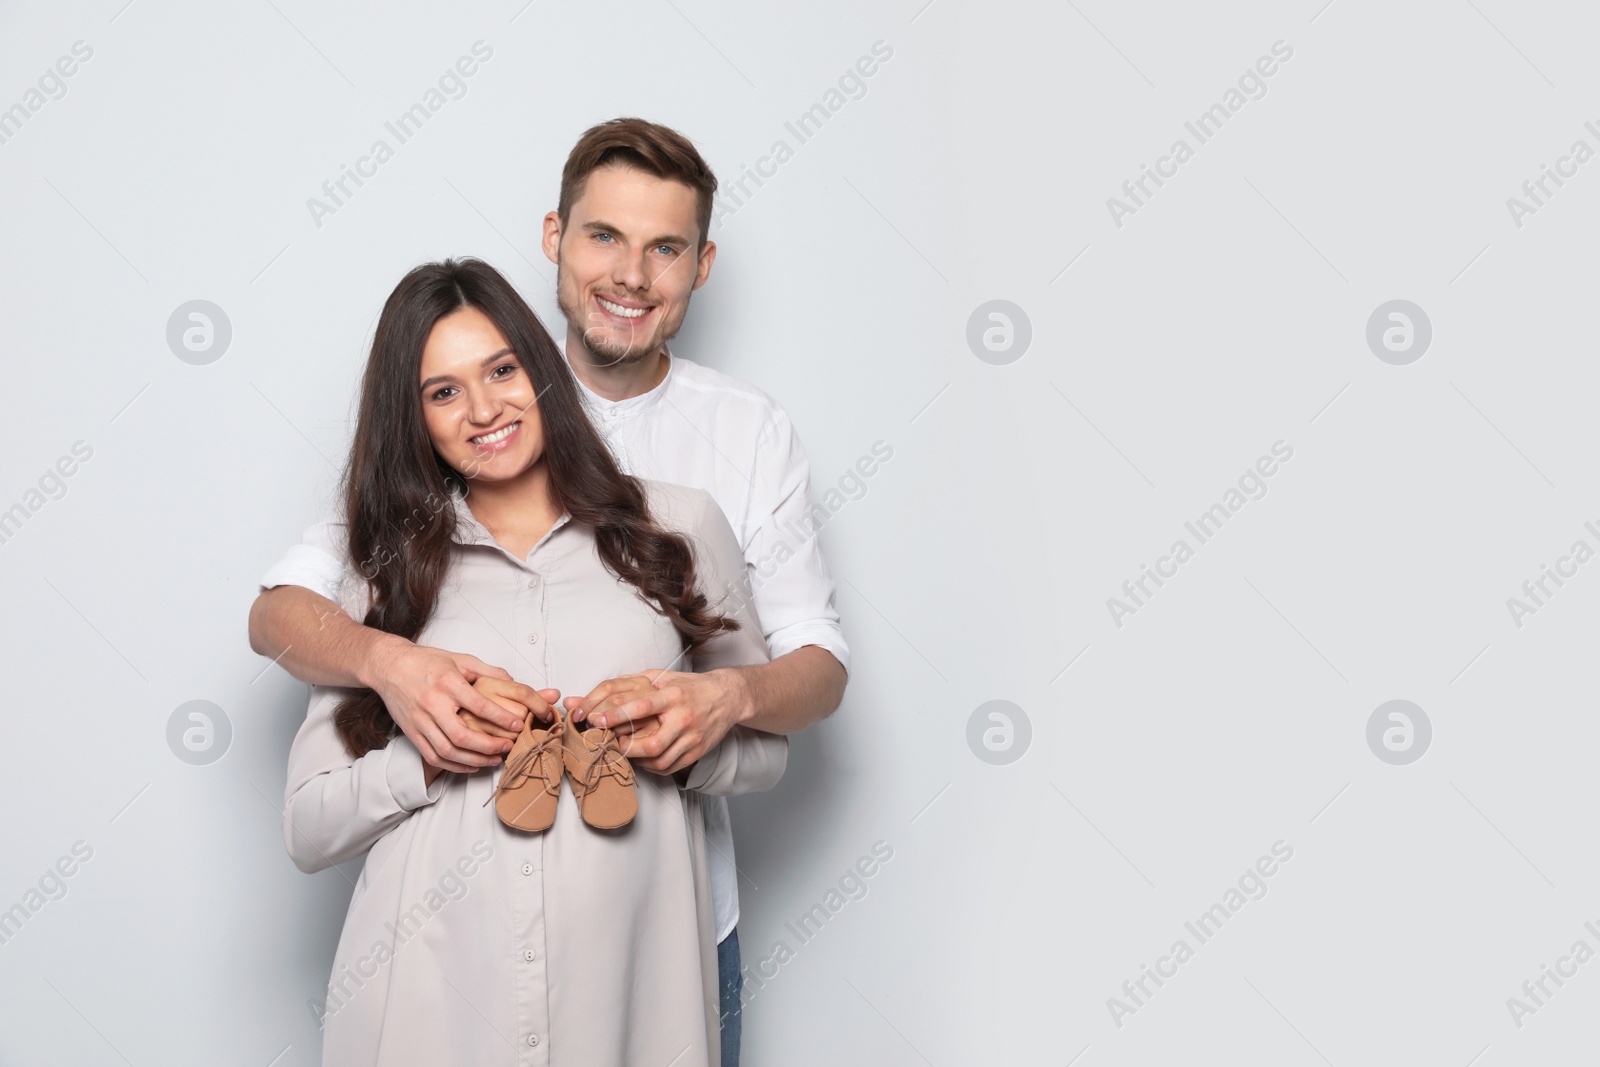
(1167, 355)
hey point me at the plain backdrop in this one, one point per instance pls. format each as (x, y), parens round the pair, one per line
(1145, 761)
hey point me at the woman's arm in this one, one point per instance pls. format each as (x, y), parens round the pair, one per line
(335, 808)
(744, 761)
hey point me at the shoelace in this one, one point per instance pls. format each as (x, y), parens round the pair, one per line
(526, 765)
(607, 759)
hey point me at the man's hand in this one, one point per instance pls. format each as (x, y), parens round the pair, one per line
(666, 720)
(423, 688)
(609, 695)
(499, 690)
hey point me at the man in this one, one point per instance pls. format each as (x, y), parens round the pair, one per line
(630, 241)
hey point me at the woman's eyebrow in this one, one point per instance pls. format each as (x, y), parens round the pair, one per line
(490, 358)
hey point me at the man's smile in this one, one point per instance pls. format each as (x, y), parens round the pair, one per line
(622, 310)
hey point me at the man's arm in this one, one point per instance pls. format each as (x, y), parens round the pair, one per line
(781, 697)
(314, 639)
(790, 693)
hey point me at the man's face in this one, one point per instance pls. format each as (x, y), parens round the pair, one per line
(626, 262)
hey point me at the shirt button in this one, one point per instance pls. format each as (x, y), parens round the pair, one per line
(533, 639)
(533, 1039)
(527, 868)
(533, 583)
(528, 955)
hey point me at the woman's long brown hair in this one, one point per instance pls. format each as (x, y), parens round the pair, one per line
(397, 489)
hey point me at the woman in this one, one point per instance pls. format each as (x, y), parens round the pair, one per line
(486, 516)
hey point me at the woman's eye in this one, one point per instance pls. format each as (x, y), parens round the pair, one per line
(440, 395)
(511, 368)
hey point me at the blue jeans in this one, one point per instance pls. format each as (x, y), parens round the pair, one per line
(731, 984)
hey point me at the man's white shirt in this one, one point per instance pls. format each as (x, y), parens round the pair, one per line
(702, 428)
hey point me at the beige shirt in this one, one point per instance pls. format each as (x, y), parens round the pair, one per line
(469, 942)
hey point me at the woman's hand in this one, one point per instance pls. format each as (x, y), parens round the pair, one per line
(472, 722)
(513, 697)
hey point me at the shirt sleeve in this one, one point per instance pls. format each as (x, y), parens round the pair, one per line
(317, 562)
(746, 760)
(794, 590)
(336, 808)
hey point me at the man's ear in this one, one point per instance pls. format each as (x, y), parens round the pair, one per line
(708, 254)
(551, 241)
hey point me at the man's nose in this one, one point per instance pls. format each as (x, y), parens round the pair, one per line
(630, 271)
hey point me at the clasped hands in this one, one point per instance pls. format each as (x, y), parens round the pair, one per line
(664, 720)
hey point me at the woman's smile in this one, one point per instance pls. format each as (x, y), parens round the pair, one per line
(498, 440)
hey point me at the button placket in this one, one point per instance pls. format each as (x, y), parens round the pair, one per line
(538, 599)
(527, 616)
(531, 981)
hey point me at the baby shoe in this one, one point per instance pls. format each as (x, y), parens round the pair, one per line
(602, 778)
(530, 784)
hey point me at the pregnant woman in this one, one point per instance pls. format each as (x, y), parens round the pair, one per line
(486, 516)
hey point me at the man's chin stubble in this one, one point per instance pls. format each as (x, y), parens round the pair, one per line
(614, 356)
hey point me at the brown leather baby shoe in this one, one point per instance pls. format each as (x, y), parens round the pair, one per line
(601, 776)
(530, 784)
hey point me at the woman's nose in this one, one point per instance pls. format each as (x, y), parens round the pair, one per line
(484, 408)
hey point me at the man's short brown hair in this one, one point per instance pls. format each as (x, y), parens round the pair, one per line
(647, 146)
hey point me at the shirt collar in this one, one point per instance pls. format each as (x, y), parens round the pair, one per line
(612, 410)
(469, 531)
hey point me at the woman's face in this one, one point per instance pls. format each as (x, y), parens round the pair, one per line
(477, 402)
